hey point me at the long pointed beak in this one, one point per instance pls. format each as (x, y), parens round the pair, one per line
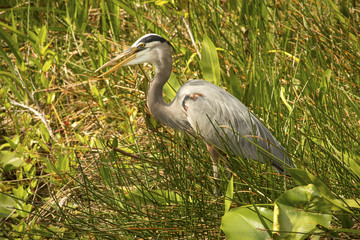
(127, 55)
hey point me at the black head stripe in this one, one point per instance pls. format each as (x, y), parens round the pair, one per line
(153, 38)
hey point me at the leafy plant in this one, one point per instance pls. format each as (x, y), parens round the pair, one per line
(299, 213)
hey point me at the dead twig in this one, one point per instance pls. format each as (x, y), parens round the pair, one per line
(191, 37)
(40, 115)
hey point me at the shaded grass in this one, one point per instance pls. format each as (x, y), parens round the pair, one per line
(98, 192)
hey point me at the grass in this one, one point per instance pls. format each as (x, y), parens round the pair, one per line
(90, 162)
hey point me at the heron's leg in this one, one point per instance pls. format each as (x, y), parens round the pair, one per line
(215, 159)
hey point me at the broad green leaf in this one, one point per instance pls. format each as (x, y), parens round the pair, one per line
(51, 98)
(43, 144)
(33, 183)
(210, 61)
(20, 193)
(161, 2)
(47, 65)
(94, 90)
(302, 177)
(300, 210)
(12, 142)
(42, 34)
(44, 49)
(44, 132)
(25, 210)
(354, 203)
(10, 160)
(229, 194)
(6, 205)
(353, 164)
(63, 163)
(171, 87)
(5, 145)
(244, 223)
(44, 80)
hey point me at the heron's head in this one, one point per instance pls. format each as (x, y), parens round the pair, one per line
(147, 49)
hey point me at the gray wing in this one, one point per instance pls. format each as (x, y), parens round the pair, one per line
(226, 123)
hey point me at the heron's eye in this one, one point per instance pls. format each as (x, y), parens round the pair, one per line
(142, 45)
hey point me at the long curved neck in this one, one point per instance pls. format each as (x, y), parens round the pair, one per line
(155, 101)
(166, 113)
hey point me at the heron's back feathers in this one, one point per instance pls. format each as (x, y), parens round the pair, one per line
(227, 123)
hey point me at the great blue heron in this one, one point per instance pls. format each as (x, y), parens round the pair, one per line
(202, 107)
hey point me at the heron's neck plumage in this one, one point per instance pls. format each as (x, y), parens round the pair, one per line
(164, 112)
(155, 100)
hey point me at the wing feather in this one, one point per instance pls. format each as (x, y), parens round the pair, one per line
(227, 123)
